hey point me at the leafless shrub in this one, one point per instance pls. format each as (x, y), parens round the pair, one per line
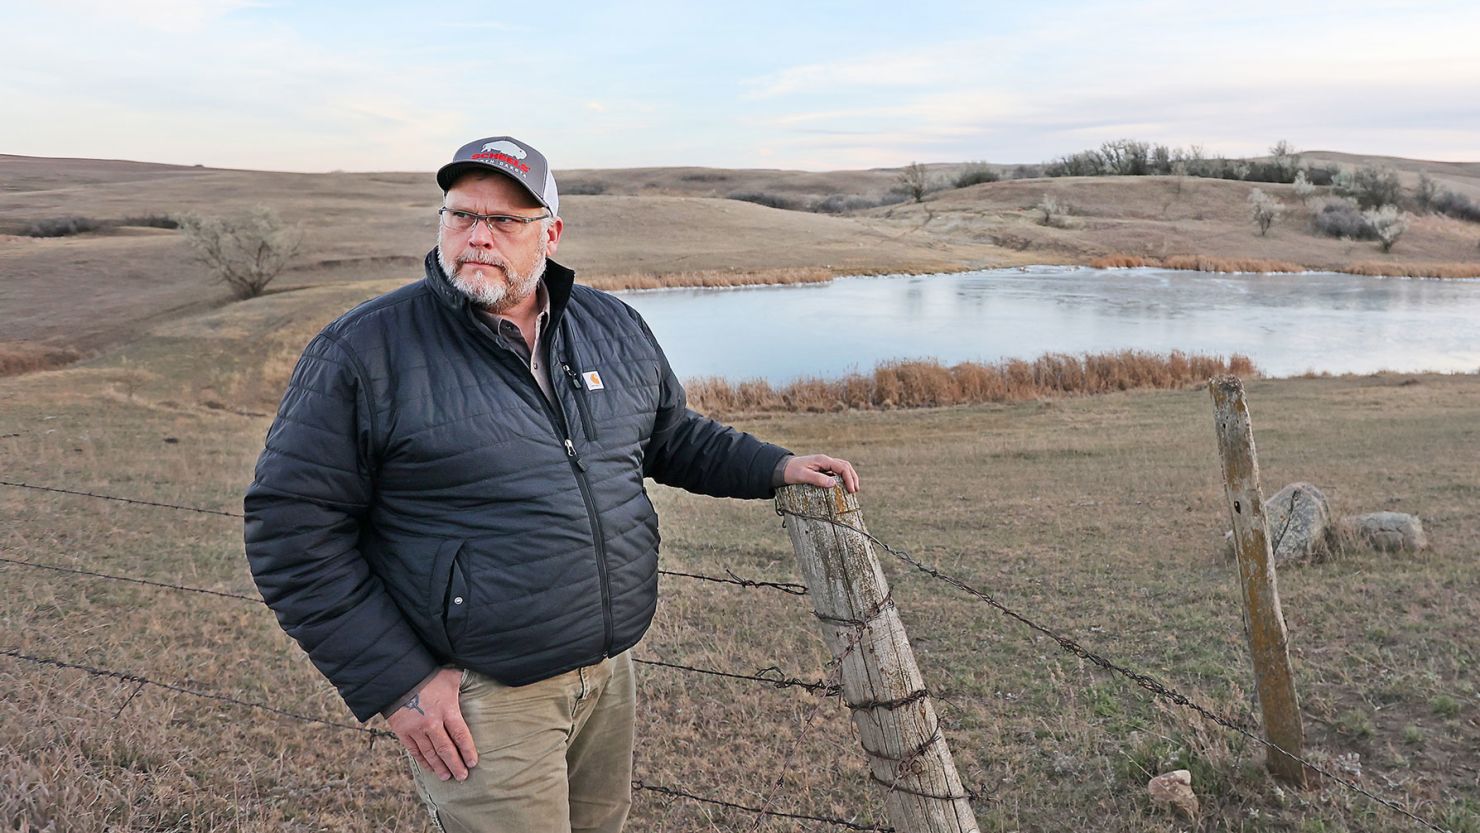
(1266, 210)
(976, 173)
(150, 221)
(63, 227)
(583, 187)
(245, 251)
(1342, 218)
(1051, 212)
(1371, 187)
(915, 180)
(1304, 189)
(769, 200)
(1387, 224)
(1455, 205)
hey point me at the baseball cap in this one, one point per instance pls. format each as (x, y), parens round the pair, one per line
(510, 157)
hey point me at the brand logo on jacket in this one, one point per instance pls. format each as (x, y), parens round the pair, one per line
(593, 380)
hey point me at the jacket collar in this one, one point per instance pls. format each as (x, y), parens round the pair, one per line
(558, 282)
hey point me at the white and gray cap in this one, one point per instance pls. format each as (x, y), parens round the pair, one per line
(510, 157)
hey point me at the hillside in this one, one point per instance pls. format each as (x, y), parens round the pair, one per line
(80, 295)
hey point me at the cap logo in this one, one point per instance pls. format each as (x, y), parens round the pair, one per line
(505, 147)
(501, 157)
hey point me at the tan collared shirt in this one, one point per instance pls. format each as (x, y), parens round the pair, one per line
(512, 338)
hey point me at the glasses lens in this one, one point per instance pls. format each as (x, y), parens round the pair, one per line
(457, 220)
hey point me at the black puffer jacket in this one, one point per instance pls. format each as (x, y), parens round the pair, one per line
(419, 502)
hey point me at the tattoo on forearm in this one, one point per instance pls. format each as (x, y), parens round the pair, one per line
(414, 704)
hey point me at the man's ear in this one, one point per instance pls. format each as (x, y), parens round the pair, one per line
(552, 237)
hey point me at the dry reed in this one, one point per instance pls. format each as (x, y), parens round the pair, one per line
(1197, 263)
(711, 278)
(928, 384)
(1416, 270)
(1203, 263)
(18, 357)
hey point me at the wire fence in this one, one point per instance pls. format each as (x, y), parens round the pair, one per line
(730, 578)
(373, 733)
(771, 675)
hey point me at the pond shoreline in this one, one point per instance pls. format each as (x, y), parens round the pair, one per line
(644, 283)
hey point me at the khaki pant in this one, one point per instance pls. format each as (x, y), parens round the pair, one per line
(553, 757)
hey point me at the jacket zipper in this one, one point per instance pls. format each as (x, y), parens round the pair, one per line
(578, 467)
(580, 394)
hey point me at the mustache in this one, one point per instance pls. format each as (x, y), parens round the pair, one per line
(484, 258)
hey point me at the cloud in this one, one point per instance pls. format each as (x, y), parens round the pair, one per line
(163, 15)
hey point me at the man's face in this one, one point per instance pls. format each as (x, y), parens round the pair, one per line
(497, 270)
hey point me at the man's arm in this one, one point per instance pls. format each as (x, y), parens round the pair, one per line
(303, 516)
(696, 453)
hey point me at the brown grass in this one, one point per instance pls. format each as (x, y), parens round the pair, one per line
(1416, 270)
(25, 357)
(709, 278)
(929, 384)
(1197, 263)
(1202, 263)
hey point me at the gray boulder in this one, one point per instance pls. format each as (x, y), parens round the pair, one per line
(1388, 531)
(1300, 523)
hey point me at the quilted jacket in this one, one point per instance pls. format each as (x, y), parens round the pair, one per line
(420, 503)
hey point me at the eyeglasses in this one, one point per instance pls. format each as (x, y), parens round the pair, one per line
(454, 220)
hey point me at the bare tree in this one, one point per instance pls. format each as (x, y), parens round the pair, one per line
(1426, 193)
(245, 251)
(1387, 223)
(1266, 210)
(1284, 157)
(916, 180)
(1051, 211)
(1303, 187)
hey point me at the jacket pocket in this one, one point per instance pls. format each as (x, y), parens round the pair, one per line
(574, 379)
(447, 598)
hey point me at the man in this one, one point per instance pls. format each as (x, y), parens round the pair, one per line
(450, 518)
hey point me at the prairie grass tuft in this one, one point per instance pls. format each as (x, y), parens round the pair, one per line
(1416, 270)
(24, 357)
(1204, 263)
(930, 384)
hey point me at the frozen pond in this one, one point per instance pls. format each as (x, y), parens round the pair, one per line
(1287, 323)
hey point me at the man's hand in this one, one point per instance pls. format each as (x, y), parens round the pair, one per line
(431, 726)
(818, 470)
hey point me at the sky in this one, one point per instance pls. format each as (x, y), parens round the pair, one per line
(804, 85)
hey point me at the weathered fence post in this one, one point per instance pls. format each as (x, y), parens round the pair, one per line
(1264, 623)
(897, 724)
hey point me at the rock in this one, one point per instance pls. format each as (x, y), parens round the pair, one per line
(1175, 788)
(1389, 531)
(1299, 521)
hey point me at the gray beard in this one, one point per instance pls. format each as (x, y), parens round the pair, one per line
(493, 295)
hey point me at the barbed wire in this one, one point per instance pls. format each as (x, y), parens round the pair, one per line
(130, 677)
(784, 587)
(640, 785)
(771, 675)
(135, 501)
(1145, 681)
(779, 680)
(161, 584)
(372, 732)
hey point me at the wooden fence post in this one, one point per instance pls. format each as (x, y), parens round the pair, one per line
(1264, 623)
(897, 725)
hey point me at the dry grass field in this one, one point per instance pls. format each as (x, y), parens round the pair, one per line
(1101, 516)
